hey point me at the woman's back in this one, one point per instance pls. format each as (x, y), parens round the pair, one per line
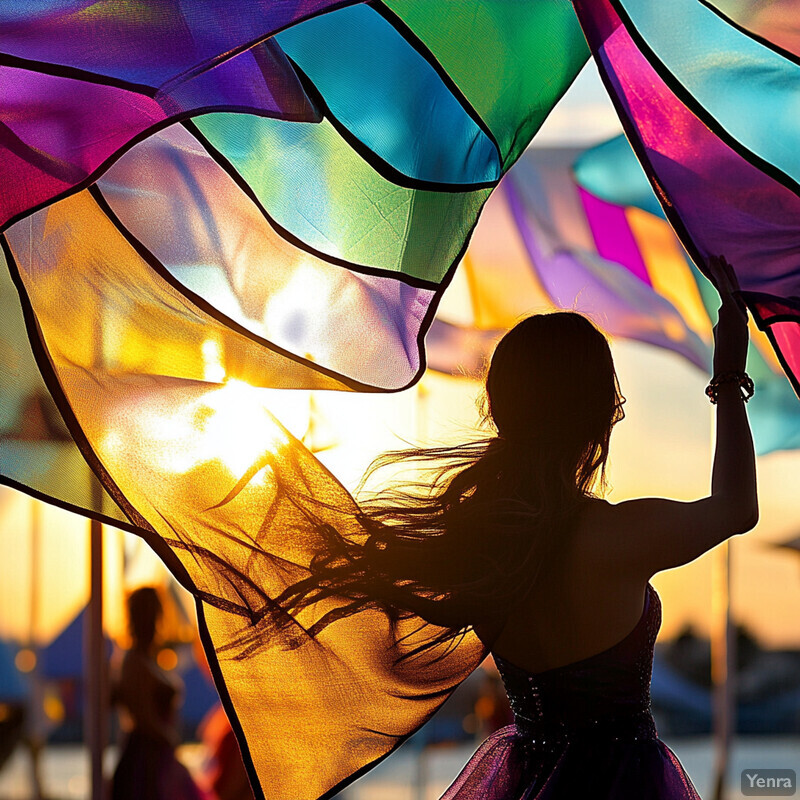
(579, 605)
(508, 539)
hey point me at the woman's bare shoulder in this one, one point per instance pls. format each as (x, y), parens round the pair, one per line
(597, 516)
(650, 534)
(608, 534)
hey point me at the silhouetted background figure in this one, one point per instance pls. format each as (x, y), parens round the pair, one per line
(509, 537)
(148, 698)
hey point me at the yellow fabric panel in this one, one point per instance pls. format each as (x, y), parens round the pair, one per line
(666, 264)
(235, 503)
(764, 347)
(105, 306)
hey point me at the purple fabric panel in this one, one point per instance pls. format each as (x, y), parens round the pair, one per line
(260, 80)
(55, 132)
(612, 234)
(606, 292)
(459, 350)
(149, 42)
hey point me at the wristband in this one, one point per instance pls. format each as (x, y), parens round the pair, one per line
(742, 379)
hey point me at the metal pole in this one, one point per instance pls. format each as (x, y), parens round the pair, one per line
(723, 668)
(36, 724)
(96, 699)
(95, 667)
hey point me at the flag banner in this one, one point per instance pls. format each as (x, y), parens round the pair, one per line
(610, 171)
(706, 113)
(545, 242)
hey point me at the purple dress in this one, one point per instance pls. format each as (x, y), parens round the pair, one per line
(583, 730)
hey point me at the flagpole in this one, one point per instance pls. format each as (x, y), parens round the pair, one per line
(36, 725)
(95, 703)
(95, 668)
(723, 668)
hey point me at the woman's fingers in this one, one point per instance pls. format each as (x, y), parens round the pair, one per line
(725, 281)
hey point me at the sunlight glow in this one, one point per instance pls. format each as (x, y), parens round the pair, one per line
(294, 313)
(229, 424)
(213, 370)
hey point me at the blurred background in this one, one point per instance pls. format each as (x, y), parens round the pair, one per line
(662, 448)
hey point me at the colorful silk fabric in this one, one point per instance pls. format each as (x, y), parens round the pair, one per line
(545, 243)
(707, 107)
(207, 202)
(611, 172)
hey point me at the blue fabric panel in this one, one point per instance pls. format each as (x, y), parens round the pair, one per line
(390, 98)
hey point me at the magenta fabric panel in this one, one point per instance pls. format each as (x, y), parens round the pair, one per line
(787, 339)
(43, 117)
(612, 234)
(718, 200)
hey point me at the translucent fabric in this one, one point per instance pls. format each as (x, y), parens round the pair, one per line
(37, 451)
(763, 123)
(224, 249)
(237, 508)
(79, 82)
(727, 188)
(777, 23)
(363, 56)
(408, 125)
(166, 275)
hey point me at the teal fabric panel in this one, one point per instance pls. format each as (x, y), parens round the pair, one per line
(390, 98)
(749, 89)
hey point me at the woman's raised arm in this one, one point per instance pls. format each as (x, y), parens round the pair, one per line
(650, 535)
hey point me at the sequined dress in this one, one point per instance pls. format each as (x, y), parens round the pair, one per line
(583, 730)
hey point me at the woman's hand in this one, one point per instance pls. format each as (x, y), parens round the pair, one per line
(730, 332)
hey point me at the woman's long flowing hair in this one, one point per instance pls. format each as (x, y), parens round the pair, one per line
(458, 546)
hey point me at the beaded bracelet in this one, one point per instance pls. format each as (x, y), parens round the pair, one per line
(744, 381)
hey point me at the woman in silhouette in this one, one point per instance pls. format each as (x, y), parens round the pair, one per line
(148, 699)
(510, 540)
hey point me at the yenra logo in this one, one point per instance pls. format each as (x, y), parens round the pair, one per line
(769, 782)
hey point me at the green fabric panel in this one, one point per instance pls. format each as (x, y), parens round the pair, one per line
(318, 188)
(513, 60)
